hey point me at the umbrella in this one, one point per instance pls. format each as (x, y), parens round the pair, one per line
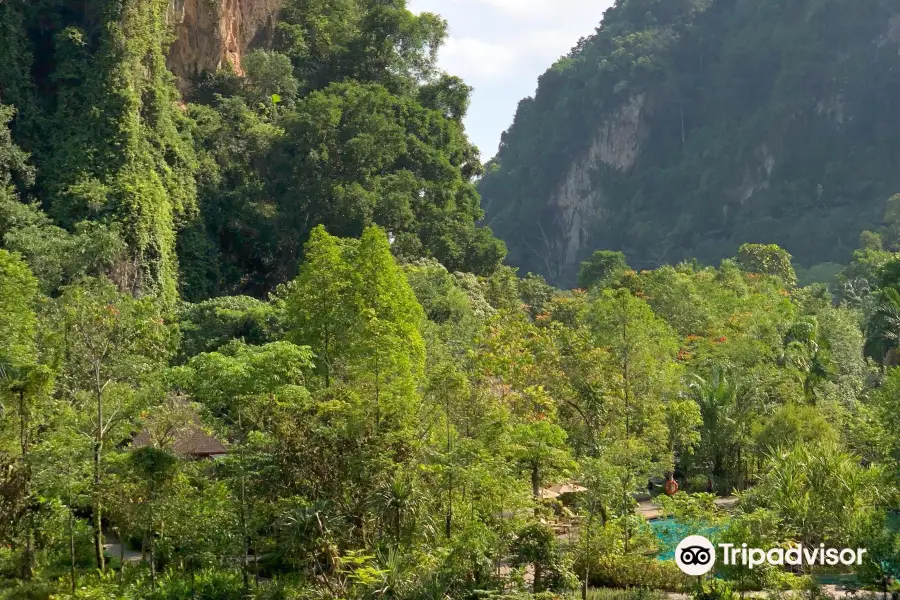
(568, 488)
(547, 494)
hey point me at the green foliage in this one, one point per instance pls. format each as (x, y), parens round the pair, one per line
(883, 328)
(18, 322)
(353, 306)
(350, 130)
(537, 545)
(13, 160)
(209, 325)
(387, 422)
(798, 486)
(638, 593)
(626, 571)
(56, 256)
(602, 266)
(744, 122)
(113, 147)
(714, 589)
(768, 260)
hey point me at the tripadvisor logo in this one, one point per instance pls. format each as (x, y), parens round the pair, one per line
(696, 555)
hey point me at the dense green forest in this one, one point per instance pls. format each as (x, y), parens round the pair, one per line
(713, 123)
(254, 345)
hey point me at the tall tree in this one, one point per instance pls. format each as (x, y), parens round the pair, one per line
(18, 370)
(883, 329)
(110, 349)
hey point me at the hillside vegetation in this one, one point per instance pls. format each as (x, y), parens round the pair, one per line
(683, 129)
(253, 346)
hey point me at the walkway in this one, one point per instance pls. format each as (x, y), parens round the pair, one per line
(113, 548)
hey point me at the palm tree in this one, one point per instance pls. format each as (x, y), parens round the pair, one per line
(883, 329)
(717, 397)
(807, 353)
(398, 503)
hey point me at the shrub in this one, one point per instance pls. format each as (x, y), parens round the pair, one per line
(631, 570)
(626, 594)
(714, 589)
(33, 590)
(207, 585)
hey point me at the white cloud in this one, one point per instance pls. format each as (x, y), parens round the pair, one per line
(523, 9)
(501, 47)
(477, 58)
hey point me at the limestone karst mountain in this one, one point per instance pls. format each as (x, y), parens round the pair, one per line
(685, 128)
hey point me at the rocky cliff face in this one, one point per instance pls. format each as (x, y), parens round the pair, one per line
(684, 129)
(211, 33)
(579, 198)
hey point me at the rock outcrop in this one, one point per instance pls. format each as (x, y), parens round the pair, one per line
(617, 144)
(211, 33)
(682, 130)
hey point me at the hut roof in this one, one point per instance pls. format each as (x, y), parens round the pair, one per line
(191, 441)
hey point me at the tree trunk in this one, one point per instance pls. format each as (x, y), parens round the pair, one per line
(121, 556)
(72, 549)
(28, 562)
(98, 512)
(245, 547)
(152, 560)
(587, 554)
(449, 524)
(98, 447)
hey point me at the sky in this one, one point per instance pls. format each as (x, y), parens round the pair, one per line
(501, 47)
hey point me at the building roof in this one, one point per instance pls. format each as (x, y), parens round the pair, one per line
(191, 441)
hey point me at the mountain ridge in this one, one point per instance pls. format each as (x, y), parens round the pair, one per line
(743, 128)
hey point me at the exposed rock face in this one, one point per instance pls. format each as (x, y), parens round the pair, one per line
(892, 35)
(758, 180)
(617, 144)
(210, 33)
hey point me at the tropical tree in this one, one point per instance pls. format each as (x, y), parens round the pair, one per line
(110, 349)
(723, 431)
(768, 260)
(820, 493)
(883, 329)
(19, 383)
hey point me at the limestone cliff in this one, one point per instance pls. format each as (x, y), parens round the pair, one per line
(579, 199)
(681, 130)
(211, 33)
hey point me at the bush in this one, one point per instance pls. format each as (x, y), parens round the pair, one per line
(207, 585)
(627, 594)
(714, 589)
(537, 544)
(33, 590)
(697, 483)
(630, 571)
